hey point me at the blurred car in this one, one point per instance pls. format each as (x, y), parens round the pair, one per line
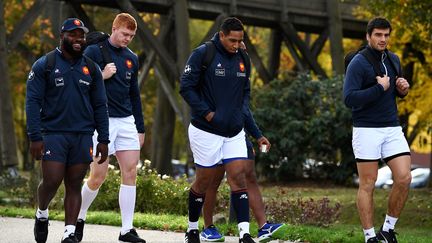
(384, 174)
(420, 177)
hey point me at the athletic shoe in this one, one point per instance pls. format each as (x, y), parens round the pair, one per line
(79, 229)
(373, 240)
(70, 239)
(192, 237)
(131, 236)
(211, 234)
(271, 231)
(41, 230)
(247, 238)
(387, 237)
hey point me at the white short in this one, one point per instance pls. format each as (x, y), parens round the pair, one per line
(210, 149)
(370, 143)
(123, 135)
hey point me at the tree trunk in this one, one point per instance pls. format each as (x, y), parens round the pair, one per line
(7, 140)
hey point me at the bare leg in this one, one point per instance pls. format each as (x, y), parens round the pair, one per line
(211, 195)
(368, 172)
(400, 167)
(73, 180)
(255, 198)
(98, 174)
(52, 176)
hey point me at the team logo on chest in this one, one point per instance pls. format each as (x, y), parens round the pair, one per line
(129, 63)
(219, 70)
(242, 67)
(242, 70)
(85, 70)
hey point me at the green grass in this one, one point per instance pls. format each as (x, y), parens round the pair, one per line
(414, 225)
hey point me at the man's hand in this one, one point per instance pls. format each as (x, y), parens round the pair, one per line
(264, 141)
(141, 137)
(102, 151)
(109, 70)
(36, 149)
(209, 116)
(402, 86)
(384, 81)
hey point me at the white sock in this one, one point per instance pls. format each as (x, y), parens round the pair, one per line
(369, 233)
(88, 196)
(42, 213)
(389, 223)
(127, 195)
(69, 229)
(192, 226)
(243, 228)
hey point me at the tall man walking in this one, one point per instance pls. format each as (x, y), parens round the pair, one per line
(376, 131)
(65, 103)
(126, 124)
(218, 97)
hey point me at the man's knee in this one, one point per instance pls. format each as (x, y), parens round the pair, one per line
(96, 180)
(129, 173)
(367, 183)
(201, 185)
(403, 181)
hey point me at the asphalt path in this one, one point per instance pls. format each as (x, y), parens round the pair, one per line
(20, 230)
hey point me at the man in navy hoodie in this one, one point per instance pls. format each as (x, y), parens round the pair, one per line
(64, 106)
(218, 97)
(377, 134)
(126, 124)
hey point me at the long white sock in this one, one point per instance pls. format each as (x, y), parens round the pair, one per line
(369, 233)
(243, 228)
(88, 196)
(389, 223)
(127, 195)
(69, 229)
(42, 213)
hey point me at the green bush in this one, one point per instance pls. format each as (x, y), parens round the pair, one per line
(155, 193)
(305, 120)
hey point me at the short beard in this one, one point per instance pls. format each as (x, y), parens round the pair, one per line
(68, 47)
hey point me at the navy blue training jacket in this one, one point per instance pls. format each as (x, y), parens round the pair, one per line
(122, 88)
(371, 106)
(69, 101)
(224, 89)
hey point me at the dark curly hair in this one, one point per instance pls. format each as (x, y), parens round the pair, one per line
(378, 23)
(231, 24)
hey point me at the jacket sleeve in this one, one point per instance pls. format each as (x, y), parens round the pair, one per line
(135, 98)
(34, 99)
(190, 82)
(100, 107)
(250, 125)
(354, 93)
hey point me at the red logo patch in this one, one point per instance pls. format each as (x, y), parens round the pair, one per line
(91, 151)
(85, 70)
(129, 63)
(77, 22)
(242, 67)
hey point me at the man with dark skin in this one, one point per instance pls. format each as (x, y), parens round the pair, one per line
(64, 106)
(216, 134)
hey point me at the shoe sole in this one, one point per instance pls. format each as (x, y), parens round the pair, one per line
(212, 240)
(279, 233)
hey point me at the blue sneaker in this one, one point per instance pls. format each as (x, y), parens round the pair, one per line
(271, 231)
(212, 234)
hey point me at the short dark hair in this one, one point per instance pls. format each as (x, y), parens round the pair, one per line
(378, 23)
(231, 24)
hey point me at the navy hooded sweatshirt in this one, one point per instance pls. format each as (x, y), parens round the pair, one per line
(224, 88)
(371, 106)
(69, 99)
